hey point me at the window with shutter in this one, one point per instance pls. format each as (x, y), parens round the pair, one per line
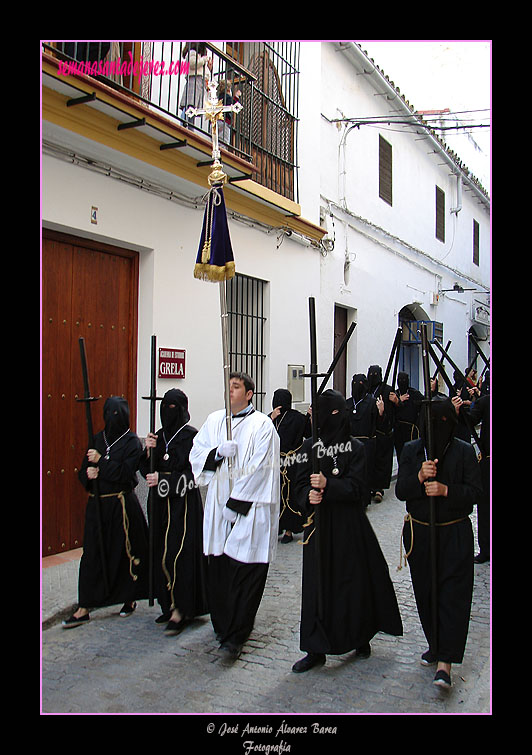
(385, 170)
(476, 243)
(440, 214)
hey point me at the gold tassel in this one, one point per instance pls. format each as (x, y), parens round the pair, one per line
(214, 273)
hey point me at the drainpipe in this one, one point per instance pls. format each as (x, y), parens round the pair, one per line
(458, 194)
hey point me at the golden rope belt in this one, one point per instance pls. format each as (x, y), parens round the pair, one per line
(171, 582)
(133, 560)
(285, 484)
(413, 427)
(410, 518)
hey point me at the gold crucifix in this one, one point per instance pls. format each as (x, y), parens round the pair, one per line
(214, 111)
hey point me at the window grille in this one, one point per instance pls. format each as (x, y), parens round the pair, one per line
(245, 306)
(268, 123)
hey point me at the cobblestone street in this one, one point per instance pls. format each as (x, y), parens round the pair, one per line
(119, 665)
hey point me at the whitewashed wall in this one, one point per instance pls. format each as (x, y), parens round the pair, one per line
(394, 257)
(182, 311)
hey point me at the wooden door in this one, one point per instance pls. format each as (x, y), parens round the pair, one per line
(88, 290)
(340, 332)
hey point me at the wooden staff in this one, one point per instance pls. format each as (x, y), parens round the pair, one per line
(87, 398)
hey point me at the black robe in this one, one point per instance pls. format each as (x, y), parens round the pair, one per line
(459, 470)
(179, 563)
(125, 532)
(292, 427)
(344, 558)
(363, 417)
(406, 419)
(383, 466)
(463, 429)
(480, 413)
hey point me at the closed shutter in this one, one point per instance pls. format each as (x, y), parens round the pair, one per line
(440, 214)
(385, 170)
(476, 243)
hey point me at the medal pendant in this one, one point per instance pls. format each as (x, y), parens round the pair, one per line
(335, 471)
(166, 457)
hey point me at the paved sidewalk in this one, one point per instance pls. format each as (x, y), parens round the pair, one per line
(114, 665)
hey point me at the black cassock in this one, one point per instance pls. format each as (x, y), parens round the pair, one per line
(480, 412)
(383, 466)
(179, 563)
(292, 427)
(406, 426)
(358, 595)
(125, 532)
(363, 418)
(458, 468)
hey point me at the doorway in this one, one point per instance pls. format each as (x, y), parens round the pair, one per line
(89, 290)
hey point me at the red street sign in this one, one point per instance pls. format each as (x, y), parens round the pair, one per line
(171, 363)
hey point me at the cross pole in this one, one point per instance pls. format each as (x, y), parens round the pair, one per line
(314, 375)
(429, 441)
(215, 111)
(87, 399)
(152, 398)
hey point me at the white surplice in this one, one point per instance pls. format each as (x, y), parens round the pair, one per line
(255, 479)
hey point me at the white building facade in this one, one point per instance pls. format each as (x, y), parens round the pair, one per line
(108, 182)
(386, 261)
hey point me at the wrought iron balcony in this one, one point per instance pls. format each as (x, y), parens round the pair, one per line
(170, 76)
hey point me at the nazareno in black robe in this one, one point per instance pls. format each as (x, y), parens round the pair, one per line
(363, 417)
(125, 531)
(457, 468)
(342, 558)
(406, 421)
(382, 469)
(292, 427)
(179, 563)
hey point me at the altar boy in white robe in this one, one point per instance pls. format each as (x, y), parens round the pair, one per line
(241, 518)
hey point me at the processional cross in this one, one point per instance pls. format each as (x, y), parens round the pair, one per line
(215, 257)
(215, 111)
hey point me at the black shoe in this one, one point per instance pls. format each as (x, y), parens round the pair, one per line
(127, 609)
(442, 679)
(287, 538)
(427, 659)
(175, 627)
(230, 650)
(164, 618)
(73, 622)
(308, 662)
(481, 559)
(364, 651)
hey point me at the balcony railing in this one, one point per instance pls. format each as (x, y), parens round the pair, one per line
(170, 76)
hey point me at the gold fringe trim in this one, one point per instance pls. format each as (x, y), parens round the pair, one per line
(214, 273)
